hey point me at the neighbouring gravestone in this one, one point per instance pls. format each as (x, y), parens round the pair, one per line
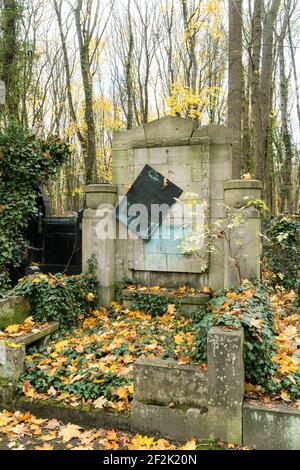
(183, 401)
(187, 172)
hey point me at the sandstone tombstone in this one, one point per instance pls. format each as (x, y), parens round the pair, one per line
(196, 161)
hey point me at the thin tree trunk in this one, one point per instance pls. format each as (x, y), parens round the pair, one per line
(58, 12)
(235, 82)
(266, 84)
(246, 139)
(255, 82)
(286, 189)
(9, 74)
(129, 81)
(84, 43)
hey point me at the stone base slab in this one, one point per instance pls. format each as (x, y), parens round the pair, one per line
(82, 416)
(38, 337)
(179, 424)
(276, 428)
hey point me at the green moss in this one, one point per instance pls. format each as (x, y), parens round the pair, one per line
(210, 445)
(12, 317)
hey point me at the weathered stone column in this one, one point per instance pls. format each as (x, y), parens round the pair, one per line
(101, 200)
(226, 381)
(246, 238)
(12, 358)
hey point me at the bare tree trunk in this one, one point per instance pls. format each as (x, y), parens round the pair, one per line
(294, 67)
(58, 11)
(246, 139)
(129, 81)
(190, 43)
(266, 84)
(171, 76)
(9, 51)
(286, 189)
(84, 43)
(255, 80)
(235, 82)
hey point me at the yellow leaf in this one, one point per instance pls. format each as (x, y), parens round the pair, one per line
(90, 297)
(90, 323)
(122, 393)
(130, 389)
(48, 437)
(190, 445)
(84, 448)
(69, 432)
(13, 329)
(100, 403)
(251, 388)
(44, 447)
(171, 309)
(233, 296)
(155, 289)
(28, 391)
(291, 332)
(110, 445)
(111, 435)
(179, 338)
(285, 396)
(141, 443)
(29, 322)
(206, 290)
(256, 323)
(61, 345)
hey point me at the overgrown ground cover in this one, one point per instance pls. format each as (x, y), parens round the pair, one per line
(271, 322)
(92, 365)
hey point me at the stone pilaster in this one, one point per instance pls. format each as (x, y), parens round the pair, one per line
(101, 200)
(226, 381)
(246, 238)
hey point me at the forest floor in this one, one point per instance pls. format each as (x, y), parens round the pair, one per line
(93, 364)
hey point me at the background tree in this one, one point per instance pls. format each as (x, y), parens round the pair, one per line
(86, 69)
(235, 82)
(9, 54)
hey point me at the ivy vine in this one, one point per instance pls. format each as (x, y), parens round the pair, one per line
(283, 250)
(26, 163)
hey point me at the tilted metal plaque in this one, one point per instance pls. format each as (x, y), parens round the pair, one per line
(152, 191)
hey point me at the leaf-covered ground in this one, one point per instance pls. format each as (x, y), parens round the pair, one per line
(93, 365)
(287, 318)
(23, 431)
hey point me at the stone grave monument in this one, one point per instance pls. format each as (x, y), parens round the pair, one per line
(185, 174)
